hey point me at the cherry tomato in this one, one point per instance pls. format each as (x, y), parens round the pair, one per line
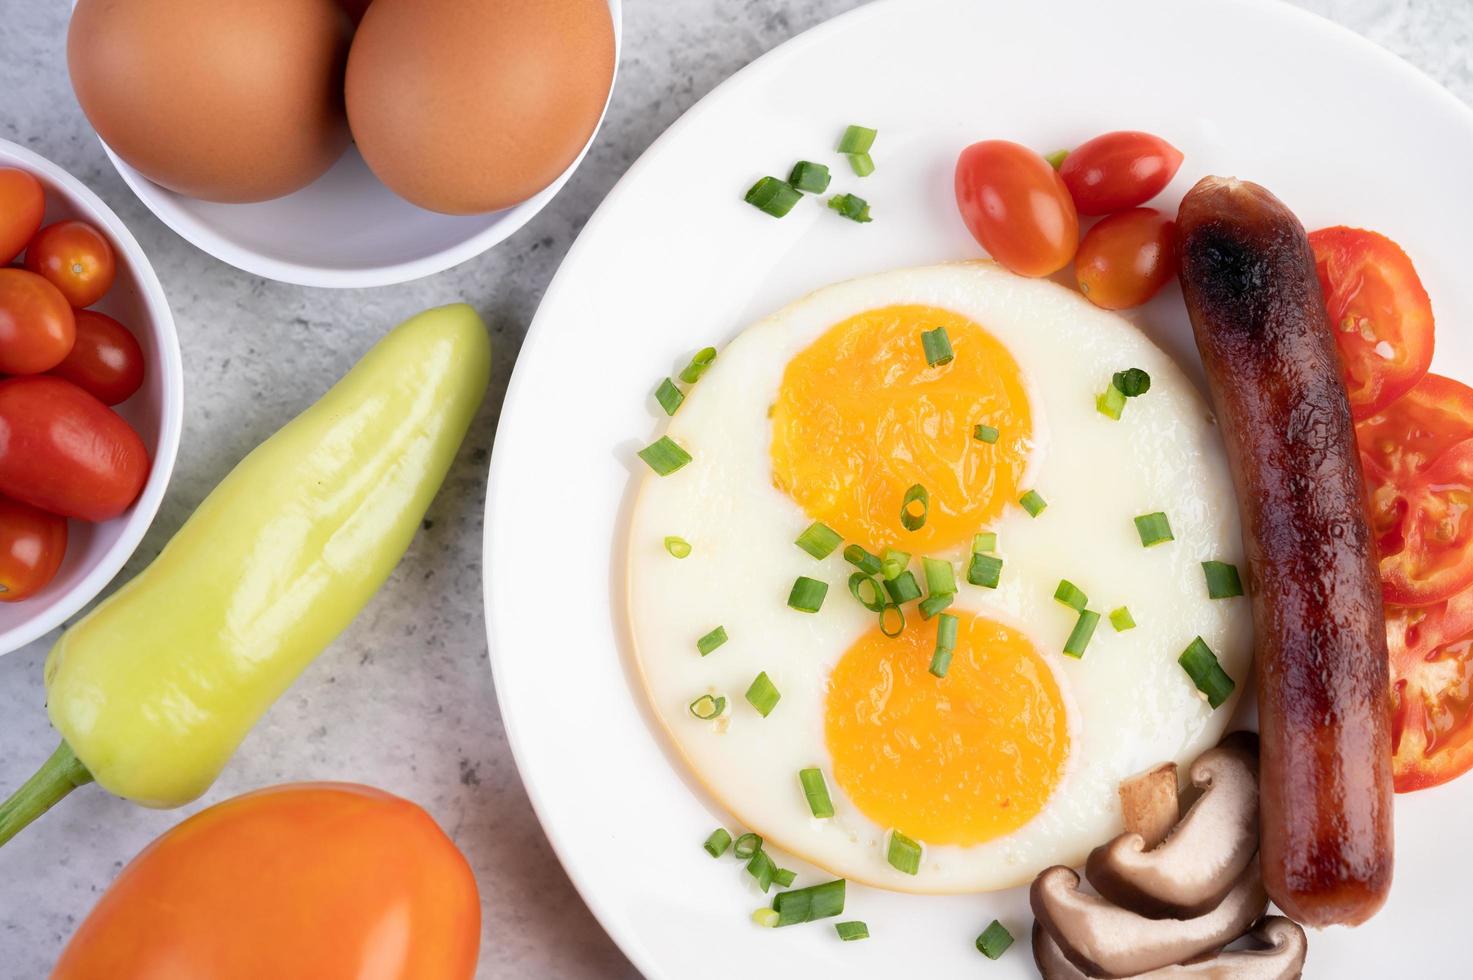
(323, 880)
(22, 205)
(1380, 313)
(37, 327)
(32, 543)
(1417, 457)
(1126, 258)
(105, 361)
(76, 258)
(1118, 170)
(1017, 208)
(1431, 651)
(66, 452)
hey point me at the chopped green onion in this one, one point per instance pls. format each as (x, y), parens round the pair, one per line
(946, 626)
(940, 661)
(857, 139)
(876, 601)
(1132, 382)
(707, 707)
(899, 620)
(940, 575)
(1122, 620)
(861, 559)
(852, 207)
(812, 178)
(910, 519)
(763, 695)
(816, 791)
(985, 570)
(994, 941)
(669, 396)
(903, 853)
(819, 540)
(746, 845)
(1153, 528)
(760, 867)
(718, 842)
(1202, 667)
(1222, 580)
(986, 541)
(903, 587)
(894, 563)
(783, 878)
(711, 640)
(1110, 402)
(807, 904)
(699, 363)
(773, 196)
(984, 433)
(863, 164)
(934, 603)
(678, 547)
(937, 347)
(1070, 595)
(765, 917)
(807, 594)
(1079, 637)
(850, 931)
(1033, 503)
(1056, 158)
(664, 456)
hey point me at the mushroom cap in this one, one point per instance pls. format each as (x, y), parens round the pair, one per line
(1283, 959)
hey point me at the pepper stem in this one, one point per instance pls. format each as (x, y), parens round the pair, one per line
(61, 774)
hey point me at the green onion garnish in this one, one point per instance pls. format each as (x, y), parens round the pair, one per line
(678, 547)
(1079, 637)
(876, 600)
(783, 878)
(937, 347)
(945, 644)
(1110, 402)
(894, 563)
(994, 941)
(707, 707)
(809, 177)
(746, 845)
(857, 139)
(700, 361)
(718, 842)
(1070, 595)
(1132, 382)
(669, 396)
(1202, 667)
(984, 433)
(850, 931)
(1122, 620)
(807, 904)
(910, 518)
(862, 560)
(940, 576)
(1056, 158)
(711, 640)
(1033, 503)
(986, 541)
(807, 594)
(765, 917)
(934, 603)
(773, 196)
(852, 207)
(664, 456)
(762, 695)
(760, 867)
(903, 587)
(898, 621)
(819, 540)
(863, 164)
(1153, 529)
(816, 791)
(1222, 580)
(903, 853)
(985, 570)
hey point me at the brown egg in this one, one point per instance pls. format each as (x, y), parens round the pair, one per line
(466, 106)
(225, 100)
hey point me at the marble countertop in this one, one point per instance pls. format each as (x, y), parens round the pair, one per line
(402, 700)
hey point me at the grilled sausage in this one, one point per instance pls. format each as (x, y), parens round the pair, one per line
(1248, 276)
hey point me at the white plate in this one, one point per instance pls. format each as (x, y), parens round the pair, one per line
(673, 260)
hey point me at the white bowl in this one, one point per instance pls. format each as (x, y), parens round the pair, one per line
(345, 229)
(95, 552)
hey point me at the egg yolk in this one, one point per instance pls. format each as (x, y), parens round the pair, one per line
(960, 759)
(861, 417)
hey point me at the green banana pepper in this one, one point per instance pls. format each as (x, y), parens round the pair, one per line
(155, 688)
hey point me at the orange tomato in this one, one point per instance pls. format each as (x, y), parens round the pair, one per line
(1126, 258)
(327, 881)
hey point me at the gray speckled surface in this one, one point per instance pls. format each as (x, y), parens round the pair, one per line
(403, 700)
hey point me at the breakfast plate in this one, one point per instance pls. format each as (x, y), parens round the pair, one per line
(674, 260)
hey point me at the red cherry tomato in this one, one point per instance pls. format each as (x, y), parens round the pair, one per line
(66, 452)
(1017, 208)
(22, 205)
(1118, 170)
(105, 361)
(37, 327)
(75, 258)
(32, 543)
(1126, 258)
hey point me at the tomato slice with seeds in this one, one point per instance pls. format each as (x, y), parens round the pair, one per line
(1380, 313)
(1431, 651)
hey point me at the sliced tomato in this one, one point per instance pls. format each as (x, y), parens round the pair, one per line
(1431, 651)
(1380, 313)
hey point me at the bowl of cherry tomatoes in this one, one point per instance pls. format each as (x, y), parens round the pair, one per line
(91, 395)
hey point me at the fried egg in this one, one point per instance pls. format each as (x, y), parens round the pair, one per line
(831, 411)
